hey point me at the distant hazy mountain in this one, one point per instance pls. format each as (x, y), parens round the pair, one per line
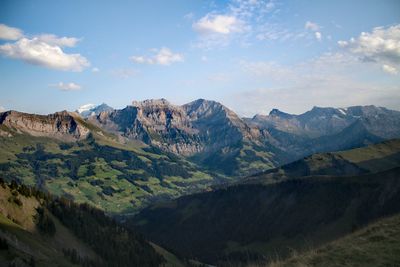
(328, 129)
(319, 121)
(92, 109)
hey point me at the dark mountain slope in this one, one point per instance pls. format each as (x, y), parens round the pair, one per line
(268, 220)
(308, 202)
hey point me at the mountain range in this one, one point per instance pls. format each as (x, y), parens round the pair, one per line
(122, 160)
(214, 136)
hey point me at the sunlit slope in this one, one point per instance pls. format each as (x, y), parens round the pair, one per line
(111, 174)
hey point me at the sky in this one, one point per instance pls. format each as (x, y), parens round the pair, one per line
(250, 55)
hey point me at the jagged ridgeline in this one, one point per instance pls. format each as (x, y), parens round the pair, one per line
(37, 229)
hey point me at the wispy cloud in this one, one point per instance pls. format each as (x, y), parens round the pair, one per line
(67, 86)
(381, 45)
(43, 50)
(312, 26)
(124, 73)
(163, 56)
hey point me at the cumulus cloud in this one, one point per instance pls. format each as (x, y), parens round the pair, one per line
(219, 24)
(44, 50)
(381, 45)
(67, 86)
(10, 33)
(163, 56)
(2, 109)
(95, 69)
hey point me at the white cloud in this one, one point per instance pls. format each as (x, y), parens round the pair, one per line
(2, 109)
(10, 33)
(389, 69)
(43, 50)
(163, 56)
(67, 86)
(381, 45)
(318, 36)
(237, 22)
(312, 26)
(219, 24)
(95, 69)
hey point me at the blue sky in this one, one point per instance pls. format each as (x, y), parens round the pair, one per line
(251, 55)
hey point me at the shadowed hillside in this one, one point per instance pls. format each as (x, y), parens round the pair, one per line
(262, 220)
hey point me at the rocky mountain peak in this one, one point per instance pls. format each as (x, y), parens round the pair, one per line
(151, 102)
(276, 112)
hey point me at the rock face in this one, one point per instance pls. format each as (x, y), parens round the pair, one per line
(199, 126)
(60, 125)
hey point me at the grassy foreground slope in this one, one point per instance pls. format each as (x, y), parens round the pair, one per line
(118, 177)
(376, 245)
